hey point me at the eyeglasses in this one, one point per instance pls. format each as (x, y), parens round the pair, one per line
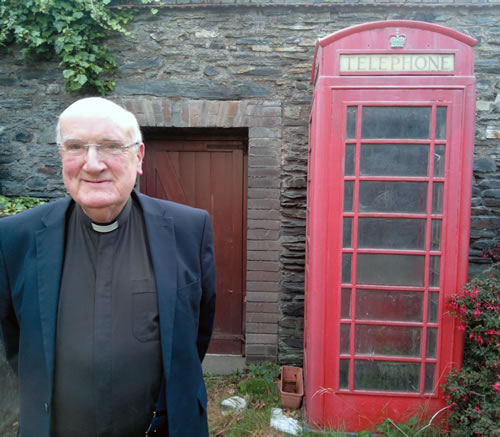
(108, 148)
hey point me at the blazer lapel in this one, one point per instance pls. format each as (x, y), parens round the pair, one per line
(49, 258)
(161, 238)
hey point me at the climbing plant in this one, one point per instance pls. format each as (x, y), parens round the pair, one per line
(74, 31)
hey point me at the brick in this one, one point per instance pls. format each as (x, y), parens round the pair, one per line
(263, 276)
(263, 214)
(253, 286)
(265, 182)
(261, 255)
(262, 296)
(263, 203)
(264, 132)
(262, 338)
(265, 266)
(263, 151)
(263, 161)
(262, 307)
(263, 193)
(264, 245)
(260, 352)
(262, 234)
(262, 171)
(262, 318)
(264, 224)
(262, 328)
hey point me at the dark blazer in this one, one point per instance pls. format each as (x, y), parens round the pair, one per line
(31, 259)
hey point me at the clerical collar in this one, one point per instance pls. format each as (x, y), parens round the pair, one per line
(104, 228)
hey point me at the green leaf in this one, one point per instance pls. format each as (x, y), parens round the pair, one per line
(81, 79)
(412, 421)
(154, 11)
(68, 73)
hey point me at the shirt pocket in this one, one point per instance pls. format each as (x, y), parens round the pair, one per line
(145, 317)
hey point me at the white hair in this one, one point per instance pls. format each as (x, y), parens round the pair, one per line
(101, 107)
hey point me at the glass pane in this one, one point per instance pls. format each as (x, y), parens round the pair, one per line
(346, 268)
(351, 122)
(399, 341)
(348, 190)
(439, 161)
(386, 376)
(437, 198)
(384, 269)
(441, 123)
(436, 235)
(429, 377)
(349, 160)
(394, 160)
(392, 196)
(345, 335)
(345, 306)
(434, 272)
(396, 122)
(433, 305)
(391, 233)
(347, 237)
(405, 306)
(431, 342)
(344, 374)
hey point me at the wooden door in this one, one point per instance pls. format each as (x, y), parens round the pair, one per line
(208, 171)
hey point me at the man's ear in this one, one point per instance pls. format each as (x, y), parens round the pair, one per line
(140, 158)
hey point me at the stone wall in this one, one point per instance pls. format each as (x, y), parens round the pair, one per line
(251, 52)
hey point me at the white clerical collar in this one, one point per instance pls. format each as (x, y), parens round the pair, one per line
(104, 228)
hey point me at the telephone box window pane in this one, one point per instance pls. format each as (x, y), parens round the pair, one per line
(398, 306)
(433, 308)
(346, 268)
(385, 269)
(345, 305)
(386, 376)
(382, 196)
(345, 331)
(396, 122)
(437, 198)
(348, 191)
(347, 231)
(401, 341)
(349, 160)
(344, 374)
(391, 233)
(394, 160)
(434, 271)
(431, 342)
(429, 377)
(441, 123)
(439, 161)
(436, 235)
(351, 122)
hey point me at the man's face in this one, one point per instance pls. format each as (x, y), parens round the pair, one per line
(100, 184)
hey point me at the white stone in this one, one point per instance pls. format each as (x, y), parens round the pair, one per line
(283, 423)
(233, 405)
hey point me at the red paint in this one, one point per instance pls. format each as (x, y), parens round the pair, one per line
(353, 404)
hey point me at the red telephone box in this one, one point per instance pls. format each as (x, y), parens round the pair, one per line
(389, 189)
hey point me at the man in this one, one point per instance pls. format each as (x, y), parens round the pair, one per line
(107, 298)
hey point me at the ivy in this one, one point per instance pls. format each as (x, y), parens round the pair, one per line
(11, 206)
(74, 31)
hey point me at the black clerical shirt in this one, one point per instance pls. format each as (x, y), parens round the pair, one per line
(108, 358)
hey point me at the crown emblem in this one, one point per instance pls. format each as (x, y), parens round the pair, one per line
(397, 41)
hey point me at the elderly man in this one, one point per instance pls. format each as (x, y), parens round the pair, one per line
(107, 298)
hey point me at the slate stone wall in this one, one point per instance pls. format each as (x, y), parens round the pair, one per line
(244, 51)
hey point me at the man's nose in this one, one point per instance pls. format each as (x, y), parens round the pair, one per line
(93, 161)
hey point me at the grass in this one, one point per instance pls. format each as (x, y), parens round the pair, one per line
(259, 386)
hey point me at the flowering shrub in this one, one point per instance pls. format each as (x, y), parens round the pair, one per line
(473, 393)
